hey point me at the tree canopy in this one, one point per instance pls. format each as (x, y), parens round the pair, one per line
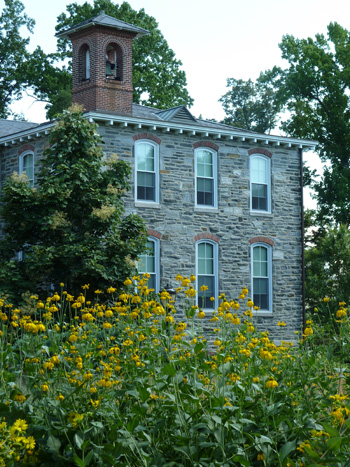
(71, 227)
(254, 106)
(13, 53)
(158, 79)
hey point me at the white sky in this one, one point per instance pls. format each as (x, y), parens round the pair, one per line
(215, 40)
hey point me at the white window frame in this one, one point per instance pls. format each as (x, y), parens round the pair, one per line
(156, 171)
(21, 170)
(269, 273)
(215, 177)
(156, 244)
(268, 184)
(216, 275)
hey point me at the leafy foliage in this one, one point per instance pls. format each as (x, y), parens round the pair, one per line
(254, 106)
(317, 87)
(13, 53)
(126, 383)
(327, 265)
(71, 225)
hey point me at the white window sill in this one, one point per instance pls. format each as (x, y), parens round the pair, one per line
(207, 209)
(265, 314)
(140, 204)
(261, 213)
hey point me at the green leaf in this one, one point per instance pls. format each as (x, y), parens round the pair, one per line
(286, 449)
(78, 461)
(168, 369)
(78, 440)
(53, 443)
(334, 443)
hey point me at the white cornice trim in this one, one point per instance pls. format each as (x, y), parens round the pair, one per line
(190, 129)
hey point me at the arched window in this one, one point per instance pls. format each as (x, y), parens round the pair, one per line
(207, 273)
(205, 177)
(114, 62)
(260, 183)
(261, 276)
(146, 171)
(149, 263)
(87, 63)
(26, 164)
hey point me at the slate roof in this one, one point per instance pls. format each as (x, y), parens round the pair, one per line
(9, 127)
(180, 114)
(104, 20)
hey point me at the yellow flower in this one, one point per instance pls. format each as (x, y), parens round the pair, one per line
(55, 297)
(271, 383)
(201, 314)
(127, 282)
(81, 299)
(85, 287)
(111, 290)
(20, 398)
(204, 287)
(281, 323)
(250, 304)
(260, 457)
(193, 278)
(29, 442)
(45, 387)
(20, 425)
(60, 398)
(326, 299)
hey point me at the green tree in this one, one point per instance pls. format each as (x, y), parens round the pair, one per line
(317, 89)
(157, 76)
(327, 266)
(71, 228)
(254, 106)
(13, 53)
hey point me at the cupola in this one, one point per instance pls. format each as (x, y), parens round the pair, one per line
(102, 63)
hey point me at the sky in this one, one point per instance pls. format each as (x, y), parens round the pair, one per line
(215, 40)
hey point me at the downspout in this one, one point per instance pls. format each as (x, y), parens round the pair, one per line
(302, 241)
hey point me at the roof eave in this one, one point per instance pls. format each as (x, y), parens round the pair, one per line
(191, 129)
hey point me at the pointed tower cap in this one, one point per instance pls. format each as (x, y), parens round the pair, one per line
(103, 20)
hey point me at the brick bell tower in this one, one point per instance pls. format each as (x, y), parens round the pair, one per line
(102, 63)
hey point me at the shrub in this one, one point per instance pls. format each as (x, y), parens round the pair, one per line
(129, 381)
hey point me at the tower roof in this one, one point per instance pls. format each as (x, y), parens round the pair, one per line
(103, 20)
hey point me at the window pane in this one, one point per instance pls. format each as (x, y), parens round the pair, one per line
(147, 260)
(260, 262)
(259, 197)
(205, 258)
(205, 191)
(261, 295)
(204, 297)
(145, 157)
(146, 186)
(204, 164)
(259, 170)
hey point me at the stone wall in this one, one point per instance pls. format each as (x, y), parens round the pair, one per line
(179, 223)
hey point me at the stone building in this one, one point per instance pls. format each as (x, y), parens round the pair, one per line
(219, 202)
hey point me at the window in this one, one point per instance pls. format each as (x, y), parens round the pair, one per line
(147, 171)
(149, 263)
(26, 164)
(207, 273)
(206, 177)
(261, 276)
(260, 191)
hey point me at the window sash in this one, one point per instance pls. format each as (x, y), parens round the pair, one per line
(207, 274)
(149, 264)
(206, 178)
(260, 184)
(27, 166)
(261, 277)
(147, 175)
